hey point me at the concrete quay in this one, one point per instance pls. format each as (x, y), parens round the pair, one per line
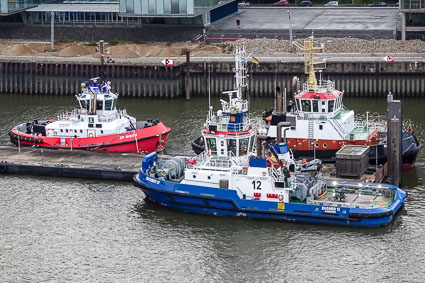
(357, 74)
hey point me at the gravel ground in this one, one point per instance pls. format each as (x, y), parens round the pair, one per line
(335, 45)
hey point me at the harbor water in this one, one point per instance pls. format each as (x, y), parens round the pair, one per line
(55, 229)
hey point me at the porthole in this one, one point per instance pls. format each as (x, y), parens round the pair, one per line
(325, 145)
(317, 145)
(209, 177)
(194, 176)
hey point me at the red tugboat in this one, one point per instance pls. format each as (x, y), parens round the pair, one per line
(321, 125)
(95, 125)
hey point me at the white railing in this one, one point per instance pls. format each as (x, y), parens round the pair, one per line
(233, 127)
(227, 107)
(322, 86)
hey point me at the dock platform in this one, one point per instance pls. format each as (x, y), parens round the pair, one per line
(66, 163)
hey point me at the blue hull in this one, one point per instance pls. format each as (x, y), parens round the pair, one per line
(224, 202)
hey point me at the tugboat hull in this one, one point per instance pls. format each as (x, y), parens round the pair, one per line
(225, 202)
(148, 139)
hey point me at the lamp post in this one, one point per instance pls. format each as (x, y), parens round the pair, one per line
(52, 31)
(291, 48)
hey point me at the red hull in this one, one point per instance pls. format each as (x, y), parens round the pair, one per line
(149, 139)
(303, 144)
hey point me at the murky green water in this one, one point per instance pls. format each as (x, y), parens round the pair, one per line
(75, 230)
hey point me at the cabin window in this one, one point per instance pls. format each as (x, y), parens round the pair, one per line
(66, 130)
(212, 145)
(108, 104)
(331, 105)
(298, 104)
(243, 146)
(306, 106)
(83, 103)
(320, 127)
(251, 145)
(114, 104)
(231, 146)
(99, 105)
(81, 131)
(315, 106)
(98, 125)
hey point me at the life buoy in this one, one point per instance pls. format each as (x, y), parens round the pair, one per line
(280, 197)
(244, 170)
(90, 135)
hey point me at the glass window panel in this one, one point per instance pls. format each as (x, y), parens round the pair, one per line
(100, 105)
(231, 146)
(108, 104)
(243, 146)
(167, 6)
(331, 105)
(315, 106)
(298, 104)
(251, 144)
(152, 6)
(306, 106)
(212, 145)
(174, 6)
(182, 7)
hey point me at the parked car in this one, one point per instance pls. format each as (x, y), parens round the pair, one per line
(332, 4)
(304, 3)
(396, 5)
(281, 3)
(243, 4)
(378, 4)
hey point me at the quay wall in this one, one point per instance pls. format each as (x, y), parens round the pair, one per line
(360, 79)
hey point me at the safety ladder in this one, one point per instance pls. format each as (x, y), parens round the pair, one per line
(310, 134)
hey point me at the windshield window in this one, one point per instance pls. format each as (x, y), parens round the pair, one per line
(331, 105)
(108, 104)
(243, 146)
(306, 106)
(231, 146)
(212, 145)
(99, 105)
(315, 106)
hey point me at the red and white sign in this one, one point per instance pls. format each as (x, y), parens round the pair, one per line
(168, 62)
(389, 58)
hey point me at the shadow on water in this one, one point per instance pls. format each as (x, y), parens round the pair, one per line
(148, 210)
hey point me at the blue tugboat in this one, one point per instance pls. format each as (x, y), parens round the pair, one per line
(240, 173)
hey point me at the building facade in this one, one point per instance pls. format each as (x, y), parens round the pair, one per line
(191, 12)
(118, 12)
(412, 19)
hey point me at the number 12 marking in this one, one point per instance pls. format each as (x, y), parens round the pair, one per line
(257, 186)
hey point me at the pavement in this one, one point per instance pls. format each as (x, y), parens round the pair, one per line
(275, 57)
(326, 21)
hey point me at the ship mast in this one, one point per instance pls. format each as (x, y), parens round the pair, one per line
(310, 61)
(240, 70)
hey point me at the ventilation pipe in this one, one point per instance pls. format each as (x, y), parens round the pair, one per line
(279, 127)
